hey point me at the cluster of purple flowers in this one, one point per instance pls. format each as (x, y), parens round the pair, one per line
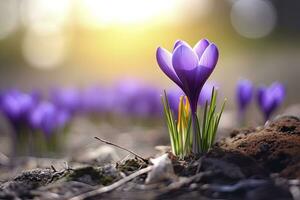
(48, 115)
(48, 118)
(268, 98)
(29, 111)
(29, 116)
(129, 98)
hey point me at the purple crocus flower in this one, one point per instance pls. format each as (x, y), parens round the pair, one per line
(189, 68)
(244, 93)
(48, 118)
(67, 99)
(17, 105)
(270, 98)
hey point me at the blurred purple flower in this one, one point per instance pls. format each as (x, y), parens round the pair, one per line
(97, 100)
(174, 95)
(47, 118)
(67, 99)
(205, 94)
(189, 67)
(16, 105)
(270, 98)
(137, 99)
(148, 102)
(244, 93)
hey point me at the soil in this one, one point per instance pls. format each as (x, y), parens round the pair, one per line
(276, 146)
(255, 163)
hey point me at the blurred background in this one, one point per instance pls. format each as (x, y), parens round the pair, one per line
(45, 44)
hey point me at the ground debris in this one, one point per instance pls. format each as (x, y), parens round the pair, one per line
(21, 185)
(276, 147)
(162, 170)
(260, 163)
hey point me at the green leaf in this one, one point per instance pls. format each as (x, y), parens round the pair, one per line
(205, 128)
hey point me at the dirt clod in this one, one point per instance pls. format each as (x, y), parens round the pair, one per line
(276, 147)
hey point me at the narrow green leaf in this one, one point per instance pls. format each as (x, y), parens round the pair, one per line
(218, 119)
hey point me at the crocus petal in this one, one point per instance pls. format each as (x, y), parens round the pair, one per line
(210, 57)
(192, 76)
(200, 76)
(200, 47)
(163, 58)
(279, 92)
(184, 58)
(178, 43)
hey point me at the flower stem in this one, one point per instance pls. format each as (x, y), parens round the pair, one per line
(241, 118)
(196, 145)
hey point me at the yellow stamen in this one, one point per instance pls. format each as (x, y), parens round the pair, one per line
(179, 111)
(187, 105)
(183, 107)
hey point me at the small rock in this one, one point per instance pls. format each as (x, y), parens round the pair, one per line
(162, 169)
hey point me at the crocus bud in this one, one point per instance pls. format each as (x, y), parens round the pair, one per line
(189, 67)
(270, 98)
(244, 93)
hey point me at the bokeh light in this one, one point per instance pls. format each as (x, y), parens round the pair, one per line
(254, 18)
(103, 13)
(44, 51)
(45, 16)
(9, 20)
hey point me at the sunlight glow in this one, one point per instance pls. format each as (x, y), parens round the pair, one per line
(44, 51)
(44, 16)
(8, 18)
(101, 13)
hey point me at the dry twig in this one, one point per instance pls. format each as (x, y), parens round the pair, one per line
(112, 186)
(123, 148)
